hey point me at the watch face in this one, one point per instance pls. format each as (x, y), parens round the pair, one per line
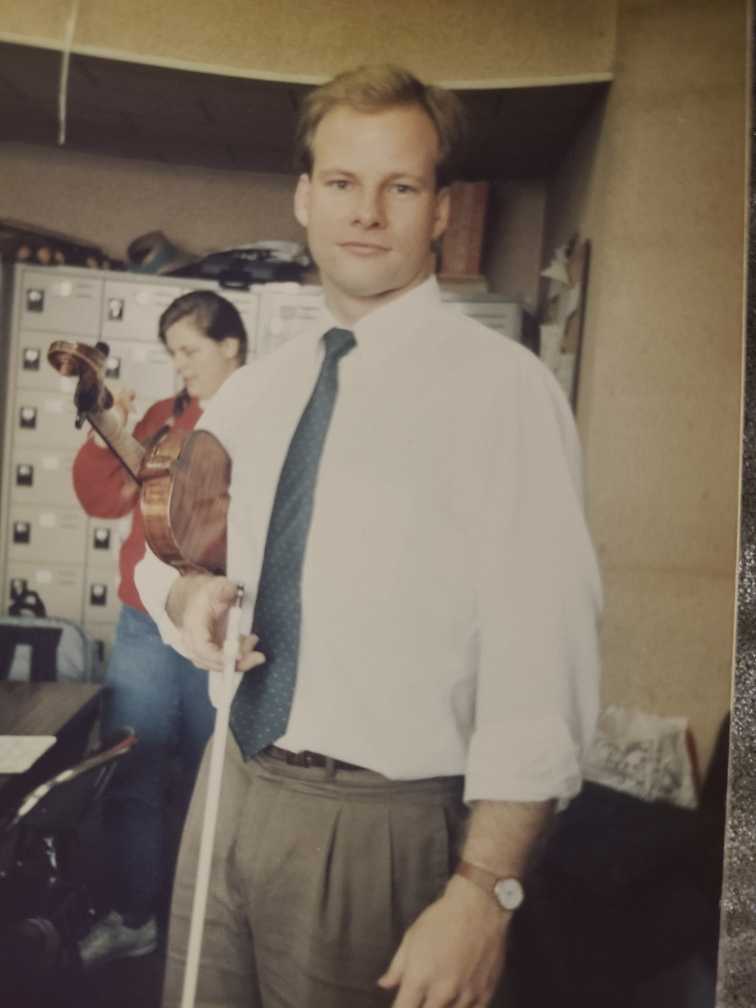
(509, 893)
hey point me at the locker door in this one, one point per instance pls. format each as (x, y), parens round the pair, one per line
(42, 476)
(59, 302)
(33, 371)
(130, 311)
(45, 420)
(39, 534)
(59, 586)
(145, 367)
(284, 313)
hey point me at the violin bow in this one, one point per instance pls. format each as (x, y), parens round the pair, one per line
(212, 797)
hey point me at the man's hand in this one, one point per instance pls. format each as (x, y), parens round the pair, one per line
(199, 605)
(453, 955)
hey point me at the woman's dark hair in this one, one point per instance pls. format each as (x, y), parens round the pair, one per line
(213, 315)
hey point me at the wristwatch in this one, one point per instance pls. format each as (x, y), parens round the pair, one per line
(507, 892)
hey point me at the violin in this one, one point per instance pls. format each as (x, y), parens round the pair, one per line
(183, 476)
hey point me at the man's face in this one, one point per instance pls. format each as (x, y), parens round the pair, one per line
(370, 206)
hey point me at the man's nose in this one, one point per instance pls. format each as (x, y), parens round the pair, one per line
(369, 211)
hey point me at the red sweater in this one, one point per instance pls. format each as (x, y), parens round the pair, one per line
(100, 480)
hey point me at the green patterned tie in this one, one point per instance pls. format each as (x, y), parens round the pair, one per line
(260, 709)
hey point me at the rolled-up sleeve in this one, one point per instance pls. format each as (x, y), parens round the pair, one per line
(154, 580)
(538, 600)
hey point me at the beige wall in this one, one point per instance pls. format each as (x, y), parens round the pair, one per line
(449, 40)
(662, 200)
(110, 201)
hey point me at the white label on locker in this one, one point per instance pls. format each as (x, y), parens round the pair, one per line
(47, 520)
(101, 539)
(64, 288)
(67, 383)
(143, 296)
(139, 355)
(54, 405)
(35, 300)
(43, 577)
(51, 462)
(31, 358)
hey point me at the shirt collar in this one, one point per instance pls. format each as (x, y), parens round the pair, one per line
(390, 324)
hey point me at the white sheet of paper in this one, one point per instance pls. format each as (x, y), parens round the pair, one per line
(18, 752)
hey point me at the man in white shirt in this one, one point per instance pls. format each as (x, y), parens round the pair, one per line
(449, 600)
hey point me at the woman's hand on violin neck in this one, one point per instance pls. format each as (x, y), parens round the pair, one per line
(123, 405)
(199, 605)
(123, 402)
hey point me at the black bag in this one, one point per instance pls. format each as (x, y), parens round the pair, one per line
(39, 648)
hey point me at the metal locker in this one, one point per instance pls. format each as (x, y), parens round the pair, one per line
(42, 476)
(285, 310)
(59, 301)
(490, 310)
(45, 419)
(39, 534)
(131, 310)
(101, 602)
(33, 371)
(146, 368)
(103, 542)
(59, 586)
(103, 634)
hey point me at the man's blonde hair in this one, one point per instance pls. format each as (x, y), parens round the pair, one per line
(375, 88)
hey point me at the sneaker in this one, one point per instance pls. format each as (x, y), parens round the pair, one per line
(111, 939)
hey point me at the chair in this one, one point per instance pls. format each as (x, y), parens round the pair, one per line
(44, 898)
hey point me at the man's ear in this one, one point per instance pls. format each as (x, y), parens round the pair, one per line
(302, 200)
(442, 212)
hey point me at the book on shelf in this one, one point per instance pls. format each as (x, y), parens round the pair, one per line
(463, 239)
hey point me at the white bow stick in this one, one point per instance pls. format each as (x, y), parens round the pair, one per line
(223, 711)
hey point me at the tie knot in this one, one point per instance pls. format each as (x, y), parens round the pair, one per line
(338, 342)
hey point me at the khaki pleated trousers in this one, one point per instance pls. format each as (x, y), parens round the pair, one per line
(316, 875)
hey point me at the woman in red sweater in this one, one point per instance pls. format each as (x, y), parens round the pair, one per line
(151, 688)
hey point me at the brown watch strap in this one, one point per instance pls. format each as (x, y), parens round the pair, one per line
(507, 891)
(480, 876)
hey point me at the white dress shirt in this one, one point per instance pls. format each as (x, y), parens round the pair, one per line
(450, 593)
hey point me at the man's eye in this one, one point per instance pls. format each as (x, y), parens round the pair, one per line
(338, 183)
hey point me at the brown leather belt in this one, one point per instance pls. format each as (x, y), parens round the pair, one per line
(308, 759)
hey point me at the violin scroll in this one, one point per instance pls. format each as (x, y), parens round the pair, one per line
(78, 360)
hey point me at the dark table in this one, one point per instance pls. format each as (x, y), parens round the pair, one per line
(67, 710)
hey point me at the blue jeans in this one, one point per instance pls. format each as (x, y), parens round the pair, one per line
(163, 698)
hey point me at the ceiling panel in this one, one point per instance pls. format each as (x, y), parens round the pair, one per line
(182, 117)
